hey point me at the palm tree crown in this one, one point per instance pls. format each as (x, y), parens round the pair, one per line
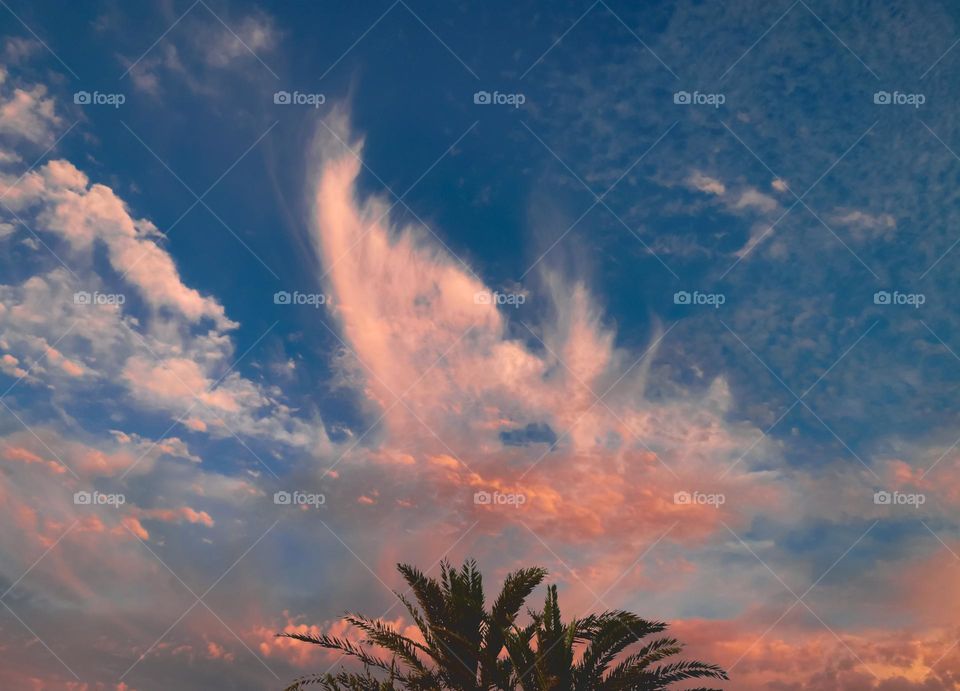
(466, 647)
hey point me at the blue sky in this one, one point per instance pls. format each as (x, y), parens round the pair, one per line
(804, 200)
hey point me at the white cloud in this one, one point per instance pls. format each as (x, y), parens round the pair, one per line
(83, 214)
(864, 225)
(28, 114)
(16, 48)
(752, 198)
(8, 157)
(171, 350)
(706, 184)
(253, 35)
(205, 51)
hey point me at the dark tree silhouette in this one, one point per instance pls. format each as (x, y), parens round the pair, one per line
(465, 647)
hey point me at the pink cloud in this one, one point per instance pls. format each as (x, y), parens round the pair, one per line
(303, 655)
(183, 513)
(28, 114)
(407, 309)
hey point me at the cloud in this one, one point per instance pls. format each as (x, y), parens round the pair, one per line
(172, 356)
(305, 655)
(91, 556)
(802, 655)
(865, 226)
(251, 36)
(103, 458)
(27, 114)
(147, 73)
(447, 382)
(11, 366)
(102, 384)
(16, 48)
(183, 513)
(203, 51)
(754, 199)
(85, 214)
(413, 329)
(609, 477)
(706, 184)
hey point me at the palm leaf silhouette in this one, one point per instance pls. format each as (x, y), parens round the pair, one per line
(466, 647)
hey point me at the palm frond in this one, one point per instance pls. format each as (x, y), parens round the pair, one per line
(611, 634)
(387, 637)
(342, 644)
(467, 647)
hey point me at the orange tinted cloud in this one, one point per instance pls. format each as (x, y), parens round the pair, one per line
(449, 374)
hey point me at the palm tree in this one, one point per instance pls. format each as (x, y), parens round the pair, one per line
(465, 647)
(600, 639)
(461, 639)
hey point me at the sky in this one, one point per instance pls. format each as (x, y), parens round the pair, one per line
(660, 296)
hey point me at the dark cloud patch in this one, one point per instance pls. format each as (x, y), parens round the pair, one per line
(534, 433)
